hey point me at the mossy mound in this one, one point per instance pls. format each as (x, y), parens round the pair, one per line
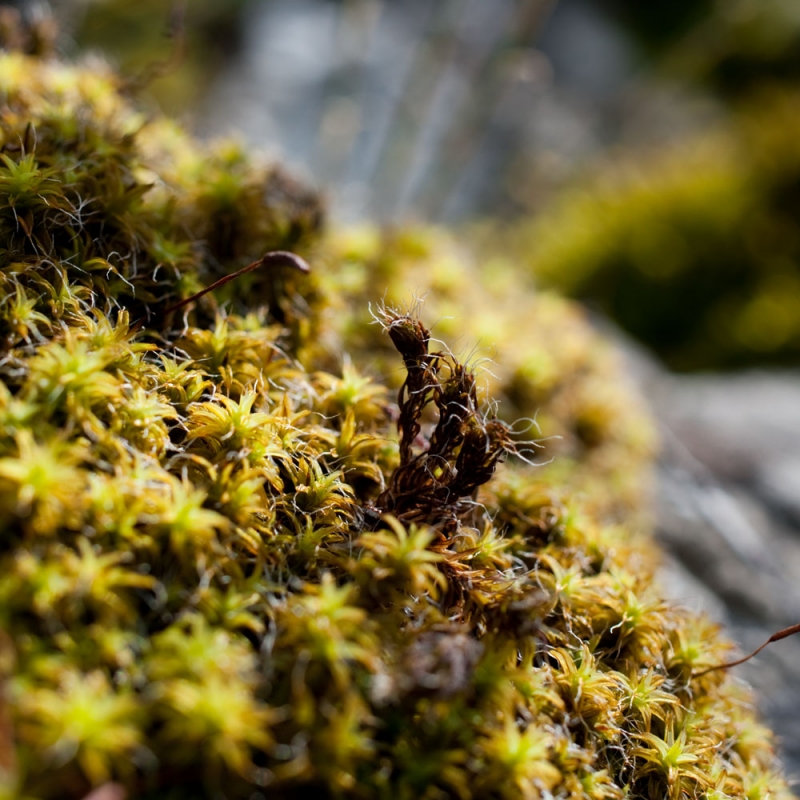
(131, 206)
(225, 571)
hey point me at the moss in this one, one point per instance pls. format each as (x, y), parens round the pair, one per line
(227, 567)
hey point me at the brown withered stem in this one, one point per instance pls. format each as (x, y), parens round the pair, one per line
(434, 484)
(276, 258)
(776, 637)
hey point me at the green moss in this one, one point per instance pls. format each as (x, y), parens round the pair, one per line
(230, 565)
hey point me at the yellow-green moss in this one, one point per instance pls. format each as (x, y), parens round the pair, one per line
(201, 594)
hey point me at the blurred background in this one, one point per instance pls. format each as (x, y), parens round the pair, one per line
(643, 157)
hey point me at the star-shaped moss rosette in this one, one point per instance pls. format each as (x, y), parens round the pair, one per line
(228, 572)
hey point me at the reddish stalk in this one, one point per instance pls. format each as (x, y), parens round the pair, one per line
(776, 637)
(275, 258)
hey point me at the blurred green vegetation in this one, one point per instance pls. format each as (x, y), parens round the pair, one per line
(135, 34)
(694, 247)
(741, 45)
(696, 252)
(657, 23)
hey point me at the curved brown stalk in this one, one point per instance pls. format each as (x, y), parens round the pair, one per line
(776, 637)
(275, 258)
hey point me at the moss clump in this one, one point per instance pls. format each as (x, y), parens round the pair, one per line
(134, 211)
(225, 570)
